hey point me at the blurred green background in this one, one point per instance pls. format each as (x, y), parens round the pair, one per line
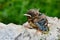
(11, 11)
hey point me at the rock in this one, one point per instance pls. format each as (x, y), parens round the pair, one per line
(22, 32)
(10, 31)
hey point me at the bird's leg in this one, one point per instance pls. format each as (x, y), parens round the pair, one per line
(38, 31)
(27, 26)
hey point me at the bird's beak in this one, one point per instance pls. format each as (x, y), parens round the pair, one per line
(27, 15)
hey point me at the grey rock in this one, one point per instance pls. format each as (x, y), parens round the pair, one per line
(21, 32)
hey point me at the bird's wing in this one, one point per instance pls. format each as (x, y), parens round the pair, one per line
(41, 25)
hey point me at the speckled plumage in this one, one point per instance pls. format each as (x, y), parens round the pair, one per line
(37, 20)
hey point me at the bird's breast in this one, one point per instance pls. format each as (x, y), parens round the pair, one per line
(33, 25)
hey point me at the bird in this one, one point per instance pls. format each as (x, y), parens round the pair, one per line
(37, 20)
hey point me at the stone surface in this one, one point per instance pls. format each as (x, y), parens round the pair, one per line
(22, 32)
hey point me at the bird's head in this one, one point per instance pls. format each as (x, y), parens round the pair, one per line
(32, 13)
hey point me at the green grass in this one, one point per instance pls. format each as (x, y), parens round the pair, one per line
(11, 11)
